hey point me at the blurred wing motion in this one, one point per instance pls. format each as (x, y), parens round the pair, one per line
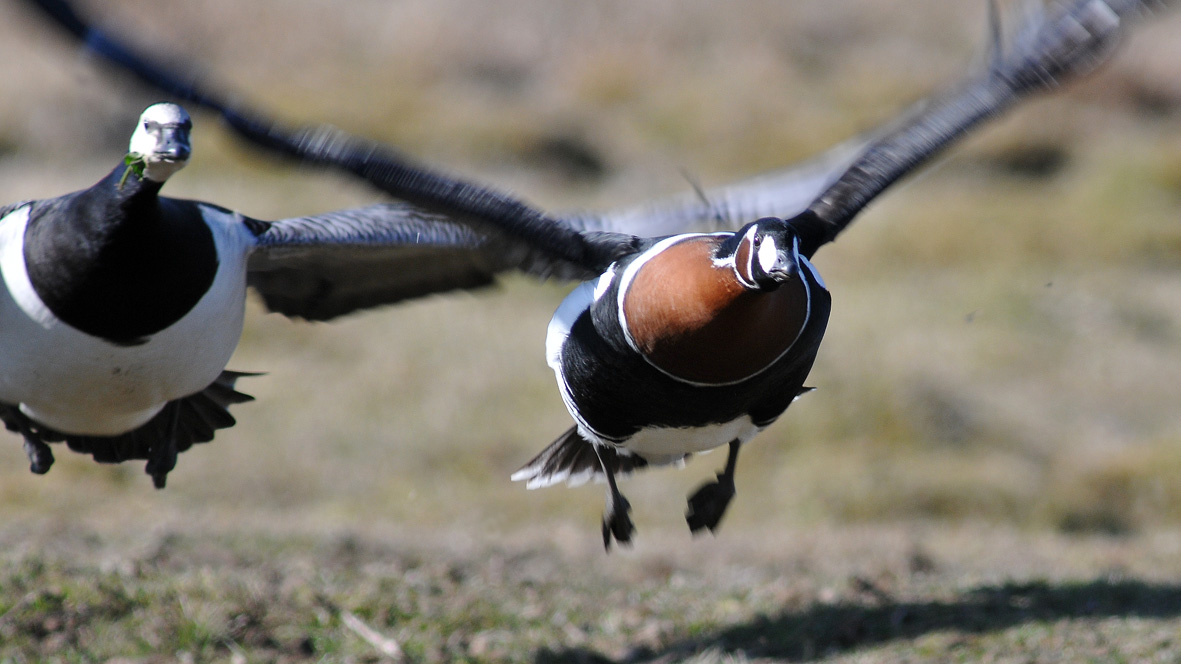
(327, 265)
(781, 193)
(1054, 44)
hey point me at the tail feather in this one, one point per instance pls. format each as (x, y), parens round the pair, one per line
(572, 459)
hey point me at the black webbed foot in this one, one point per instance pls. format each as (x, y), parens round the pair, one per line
(162, 457)
(617, 524)
(709, 503)
(40, 456)
(162, 462)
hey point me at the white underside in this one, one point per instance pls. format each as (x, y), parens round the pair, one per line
(664, 445)
(79, 384)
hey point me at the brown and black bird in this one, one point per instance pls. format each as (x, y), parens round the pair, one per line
(682, 342)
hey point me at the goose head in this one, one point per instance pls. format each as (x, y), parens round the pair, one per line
(767, 255)
(160, 142)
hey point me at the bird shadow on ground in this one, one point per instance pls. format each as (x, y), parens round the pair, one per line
(822, 630)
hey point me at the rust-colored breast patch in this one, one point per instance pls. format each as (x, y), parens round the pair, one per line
(742, 261)
(697, 322)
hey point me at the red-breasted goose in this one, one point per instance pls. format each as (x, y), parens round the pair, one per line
(687, 342)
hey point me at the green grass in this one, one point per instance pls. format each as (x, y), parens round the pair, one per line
(988, 469)
(870, 594)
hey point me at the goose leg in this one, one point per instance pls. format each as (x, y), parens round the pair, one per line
(707, 506)
(616, 522)
(40, 456)
(162, 458)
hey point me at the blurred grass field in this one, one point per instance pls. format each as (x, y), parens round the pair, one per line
(997, 414)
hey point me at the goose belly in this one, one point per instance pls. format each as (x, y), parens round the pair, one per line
(660, 442)
(78, 384)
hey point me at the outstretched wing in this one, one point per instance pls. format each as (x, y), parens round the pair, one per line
(551, 245)
(502, 229)
(1053, 45)
(487, 210)
(322, 266)
(780, 193)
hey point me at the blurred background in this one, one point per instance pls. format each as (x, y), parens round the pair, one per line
(1005, 342)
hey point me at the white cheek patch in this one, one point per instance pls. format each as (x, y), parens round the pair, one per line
(142, 142)
(768, 254)
(145, 139)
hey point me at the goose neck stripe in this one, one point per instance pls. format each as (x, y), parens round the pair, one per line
(744, 265)
(814, 272)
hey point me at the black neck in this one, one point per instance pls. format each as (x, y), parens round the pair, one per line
(116, 260)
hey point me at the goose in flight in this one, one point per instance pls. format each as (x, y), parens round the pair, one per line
(682, 343)
(700, 340)
(686, 342)
(120, 307)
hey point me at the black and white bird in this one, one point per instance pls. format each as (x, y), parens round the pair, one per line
(688, 342)
(120, 307)
(682, 343)
(146, 293)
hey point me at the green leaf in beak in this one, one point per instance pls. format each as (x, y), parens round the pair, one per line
(135, 164)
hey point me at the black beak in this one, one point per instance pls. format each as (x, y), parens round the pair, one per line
(786, 266)
(173, 144)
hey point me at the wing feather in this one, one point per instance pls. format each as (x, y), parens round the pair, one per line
(781, 193)
(1052, 46)
(322, 266)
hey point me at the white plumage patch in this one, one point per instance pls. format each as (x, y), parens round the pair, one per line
(559, 331)
(79, 384)
(768, 254)
(660, 445)
(563, 320)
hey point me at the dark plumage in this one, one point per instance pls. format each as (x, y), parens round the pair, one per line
(624, 405)
(641, 400)
(121, 307)
(668, 395)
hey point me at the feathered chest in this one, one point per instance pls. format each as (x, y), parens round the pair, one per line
(119, 271)
(688, 314)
